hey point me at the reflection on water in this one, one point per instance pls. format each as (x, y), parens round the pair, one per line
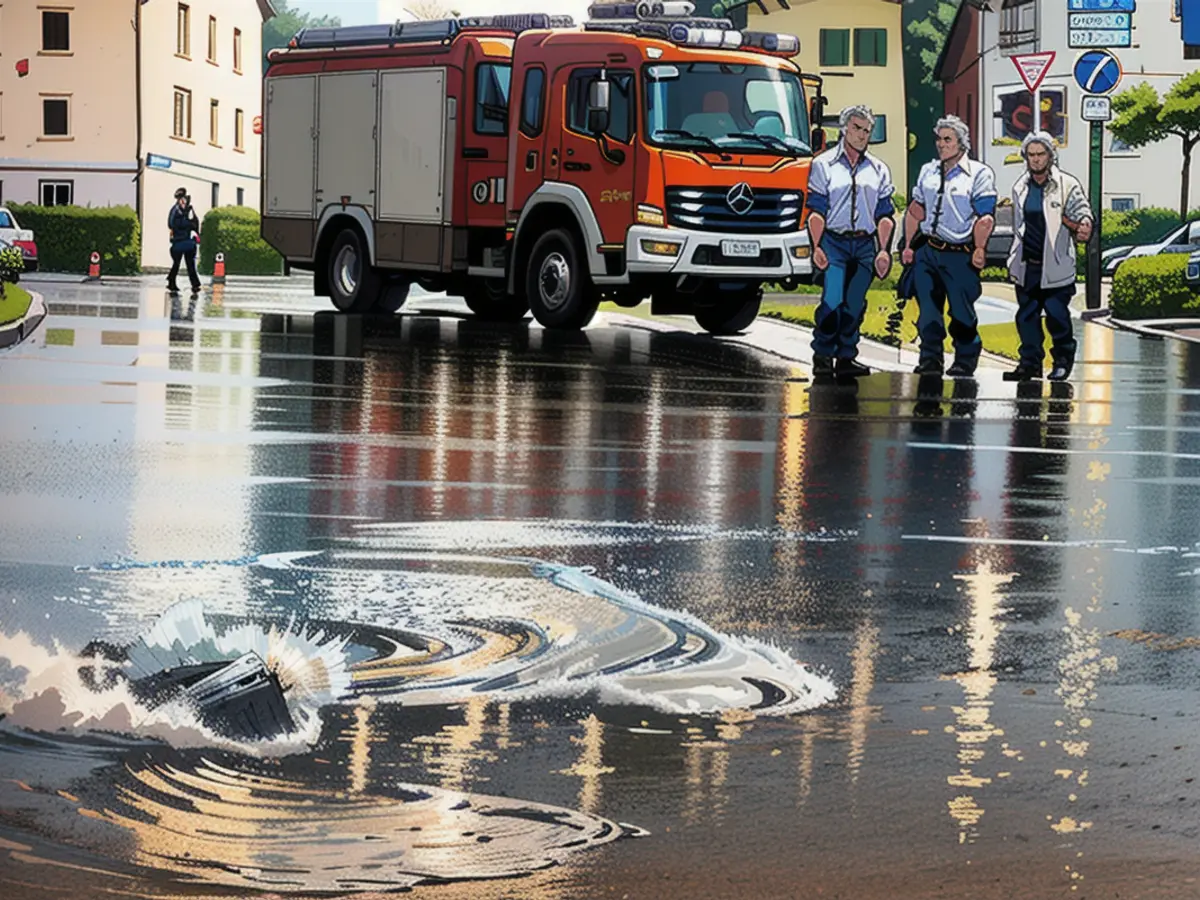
(883, 534)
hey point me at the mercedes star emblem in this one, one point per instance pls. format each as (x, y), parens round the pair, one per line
(740, 198)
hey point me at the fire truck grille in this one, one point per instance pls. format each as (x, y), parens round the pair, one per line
(709, 209)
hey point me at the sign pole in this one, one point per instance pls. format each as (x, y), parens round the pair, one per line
(1095, 191)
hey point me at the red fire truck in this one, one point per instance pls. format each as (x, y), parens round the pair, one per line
(530, 165)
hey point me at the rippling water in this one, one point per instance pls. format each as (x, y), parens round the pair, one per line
(350, 634)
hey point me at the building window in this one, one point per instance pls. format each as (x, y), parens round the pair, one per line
(56, 193)
(870, 46)
(531, 102)
(183, 31)
(56, 117)
(183, 114)
(214, 122)
(239, 121)
(835, 46)
(212, 39)
(241, 196)
(1018, 25)
(216, 196)
(1123, 204)
(879, 132)
(1191, 51)
(491, 98)
(56, 31)
(237, 50)
(1012, 113)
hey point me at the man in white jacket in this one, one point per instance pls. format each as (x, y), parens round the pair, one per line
(1050, 213)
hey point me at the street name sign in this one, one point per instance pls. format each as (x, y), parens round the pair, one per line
(1100, 23)
(1096, 108)
(1097, 72)
(1033, 67)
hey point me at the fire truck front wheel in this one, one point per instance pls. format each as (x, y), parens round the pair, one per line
(354, 285)
(560, 293)
(727, 311)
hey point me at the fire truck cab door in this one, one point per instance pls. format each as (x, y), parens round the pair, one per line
(600, 161)
(485, 151)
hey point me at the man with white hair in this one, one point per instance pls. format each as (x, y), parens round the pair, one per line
(850, 226)
(950, 218)
(1050, 212)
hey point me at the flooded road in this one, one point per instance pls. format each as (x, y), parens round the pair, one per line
(622, 614)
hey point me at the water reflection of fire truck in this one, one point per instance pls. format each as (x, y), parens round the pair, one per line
(530, 165)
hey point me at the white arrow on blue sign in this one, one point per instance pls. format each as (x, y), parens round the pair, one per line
(1097, 71)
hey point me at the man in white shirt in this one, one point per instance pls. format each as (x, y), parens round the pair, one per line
(850, 226)
(1050, 212)
(953, 206)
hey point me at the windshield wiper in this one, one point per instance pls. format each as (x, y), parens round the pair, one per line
(675, 132)
(767, 140)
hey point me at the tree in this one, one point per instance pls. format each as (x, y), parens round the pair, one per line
(429, 9)
(927, 25)
(277, 31)
(1141, 117)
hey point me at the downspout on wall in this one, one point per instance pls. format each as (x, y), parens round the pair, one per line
(137, 37)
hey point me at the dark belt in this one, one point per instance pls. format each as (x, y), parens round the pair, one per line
(939, 244)
(852, 234)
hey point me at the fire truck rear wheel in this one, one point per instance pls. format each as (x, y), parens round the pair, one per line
(559, 290)
(728, 312)
(354, 286)
(489, 299)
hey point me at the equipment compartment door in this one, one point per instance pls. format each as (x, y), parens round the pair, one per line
(609, 185)
(346, 159)
(412, 146)
(289, 130)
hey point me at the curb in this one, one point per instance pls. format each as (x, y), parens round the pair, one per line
(15, 332)
(1149, 330)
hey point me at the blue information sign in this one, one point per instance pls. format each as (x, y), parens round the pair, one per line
(1097, 72)
(1102, 6)
(158, 162)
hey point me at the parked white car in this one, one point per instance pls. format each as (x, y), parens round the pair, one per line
(21, 238)
(1180, 239)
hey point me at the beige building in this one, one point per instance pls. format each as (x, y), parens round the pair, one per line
(96, 106)
(857, 48)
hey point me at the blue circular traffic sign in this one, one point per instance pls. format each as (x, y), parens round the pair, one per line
(1097, 71)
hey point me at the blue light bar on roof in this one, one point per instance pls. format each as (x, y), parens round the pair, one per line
(769, 42)
(417, 32)
(518, 22)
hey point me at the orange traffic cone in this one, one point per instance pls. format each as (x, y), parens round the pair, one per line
(94, 268)
(218, 276)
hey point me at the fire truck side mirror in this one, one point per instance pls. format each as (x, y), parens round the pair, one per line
(818, 139)
(598, 106)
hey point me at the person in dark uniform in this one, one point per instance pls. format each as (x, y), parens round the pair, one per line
(183, 224)
(1051, 213)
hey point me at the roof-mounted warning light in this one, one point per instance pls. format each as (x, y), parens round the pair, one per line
(420, 32)
(770, 42)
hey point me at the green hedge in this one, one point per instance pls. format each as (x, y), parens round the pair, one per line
(67, 235)
(1153, 287)
(236, 232)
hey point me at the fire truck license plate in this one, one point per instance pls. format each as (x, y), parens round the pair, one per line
(739, 248)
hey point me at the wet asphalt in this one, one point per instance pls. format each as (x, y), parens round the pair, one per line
(1001, 581)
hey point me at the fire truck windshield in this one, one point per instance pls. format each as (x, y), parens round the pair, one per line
(743, 107)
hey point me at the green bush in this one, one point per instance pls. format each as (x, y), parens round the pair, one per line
(66, 236)
(236, 232)
(12, 263)
(1153, 287)
(994, 273)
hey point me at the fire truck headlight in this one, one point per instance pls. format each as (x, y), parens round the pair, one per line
(660, 248)
(650, 215)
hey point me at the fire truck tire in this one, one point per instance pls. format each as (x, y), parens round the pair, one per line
(559, 290)
(489, 300)
(393, 293)
(728, 312)
(354, 286)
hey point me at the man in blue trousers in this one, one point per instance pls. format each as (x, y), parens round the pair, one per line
(850, 226)
(1050, 213)
(953, 205)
